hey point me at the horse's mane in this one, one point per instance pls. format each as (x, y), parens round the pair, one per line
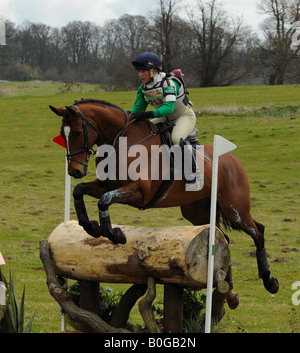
(97, 101)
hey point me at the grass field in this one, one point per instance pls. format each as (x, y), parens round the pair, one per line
(264, 123)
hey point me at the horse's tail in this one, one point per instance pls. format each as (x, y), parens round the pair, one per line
(221, 219)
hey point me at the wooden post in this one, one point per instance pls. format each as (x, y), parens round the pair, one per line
(173, 308)
(89, 301)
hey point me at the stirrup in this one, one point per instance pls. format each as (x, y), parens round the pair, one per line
(196, 183)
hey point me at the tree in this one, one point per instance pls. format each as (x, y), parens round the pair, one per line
(216, 41)
(35, 39)
(163, 30)
(133, 32)
(78, 37)
(278, 53)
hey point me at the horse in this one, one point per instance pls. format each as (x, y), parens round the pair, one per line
(90, 122)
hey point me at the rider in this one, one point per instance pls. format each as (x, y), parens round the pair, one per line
(169, 100)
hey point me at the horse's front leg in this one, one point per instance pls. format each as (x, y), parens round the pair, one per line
(129, 194)
(95, 189)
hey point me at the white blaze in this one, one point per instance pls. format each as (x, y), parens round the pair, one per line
(67, 131)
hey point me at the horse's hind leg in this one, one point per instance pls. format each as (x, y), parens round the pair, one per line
(270, 283)
(242, 220)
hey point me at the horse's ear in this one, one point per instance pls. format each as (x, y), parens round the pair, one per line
(57, 111)
(71, 111)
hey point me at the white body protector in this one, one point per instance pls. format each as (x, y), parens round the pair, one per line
(163, 89)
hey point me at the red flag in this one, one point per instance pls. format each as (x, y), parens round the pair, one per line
(60, 141)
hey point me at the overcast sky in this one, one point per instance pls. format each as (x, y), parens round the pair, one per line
(57, 13)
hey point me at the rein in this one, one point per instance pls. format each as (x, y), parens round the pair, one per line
(152, 133)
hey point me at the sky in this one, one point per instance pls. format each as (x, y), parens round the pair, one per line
(58, 13)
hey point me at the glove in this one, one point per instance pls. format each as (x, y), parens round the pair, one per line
(142, 116)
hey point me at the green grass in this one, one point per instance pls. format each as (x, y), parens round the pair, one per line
(264, 123)
(249, 96)
(38, 88)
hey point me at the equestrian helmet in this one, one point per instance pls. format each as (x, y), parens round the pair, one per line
(147, 61)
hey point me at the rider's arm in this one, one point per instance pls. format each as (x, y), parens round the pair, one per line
(140, 104)
(166, 109)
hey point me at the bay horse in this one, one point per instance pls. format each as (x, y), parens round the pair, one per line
(92, 122)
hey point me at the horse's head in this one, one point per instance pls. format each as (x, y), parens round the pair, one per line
(80, 135)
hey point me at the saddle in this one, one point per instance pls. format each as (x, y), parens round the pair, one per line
(165, 131)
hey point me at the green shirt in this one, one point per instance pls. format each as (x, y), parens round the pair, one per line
(167, 107)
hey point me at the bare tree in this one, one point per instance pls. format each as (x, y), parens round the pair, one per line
(163, 30)
(78, 38)
(133, 32)
(278, 52)
(216, 40)
(35, 39)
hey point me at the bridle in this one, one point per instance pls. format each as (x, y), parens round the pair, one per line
(89, 151)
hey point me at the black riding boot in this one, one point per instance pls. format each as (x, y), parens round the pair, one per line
(193, 177)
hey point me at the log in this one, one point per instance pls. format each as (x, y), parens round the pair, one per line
(64, 299)
(170, 255)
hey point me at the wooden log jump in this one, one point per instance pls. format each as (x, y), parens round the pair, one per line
(173, 256)
(170, 255)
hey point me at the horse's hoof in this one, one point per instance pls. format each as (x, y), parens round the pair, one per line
(117, 236)
(271, 284)
(93, 229)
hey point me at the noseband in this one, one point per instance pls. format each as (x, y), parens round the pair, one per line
(89, 151)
